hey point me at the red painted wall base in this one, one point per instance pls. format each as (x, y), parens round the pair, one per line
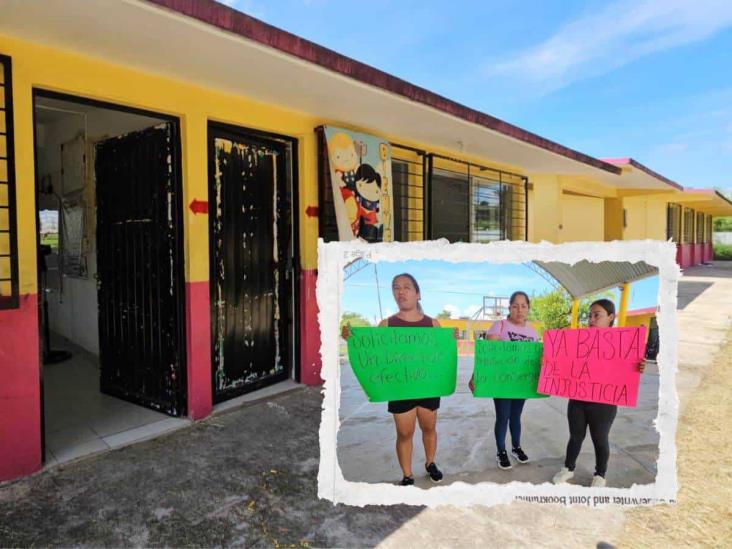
(20, 390)
(198, 348)
(684, 255)
(310, 361)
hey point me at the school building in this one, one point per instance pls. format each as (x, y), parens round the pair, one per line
(176, 149)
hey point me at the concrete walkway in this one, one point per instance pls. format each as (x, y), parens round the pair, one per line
(248, 478)
(466, 444)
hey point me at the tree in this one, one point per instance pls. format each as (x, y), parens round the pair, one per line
(356, 320)
(554, 309)
(443, 314)
(723, 224)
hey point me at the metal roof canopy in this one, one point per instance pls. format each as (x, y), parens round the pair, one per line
(586, 278)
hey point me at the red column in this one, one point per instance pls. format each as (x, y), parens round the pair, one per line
(198, 349)
(20, 390)
(310, 361)
(686, 255)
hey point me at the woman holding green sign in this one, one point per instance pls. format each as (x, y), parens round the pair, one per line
(508, 410)
(597, 416)
(407, 413)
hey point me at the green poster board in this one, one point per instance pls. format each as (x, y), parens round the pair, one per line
(507, 369)
(403, 363)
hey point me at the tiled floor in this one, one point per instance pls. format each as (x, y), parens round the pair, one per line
(80, 420)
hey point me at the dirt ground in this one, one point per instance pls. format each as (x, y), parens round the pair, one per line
(221, 483)
(702, 516)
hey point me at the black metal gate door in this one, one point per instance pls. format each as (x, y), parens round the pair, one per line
(139, 269)
(250, 235)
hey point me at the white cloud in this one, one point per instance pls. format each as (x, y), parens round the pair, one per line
(456, 312)
(619, 33)
(452, 309)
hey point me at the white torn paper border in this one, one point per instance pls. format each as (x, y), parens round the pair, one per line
(334, 256)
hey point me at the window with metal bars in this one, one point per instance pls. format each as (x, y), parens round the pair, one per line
(673, 222)
(700, 226)
(8, 234)
(438, 197)
(710, 229)
(688, 226)
(407, 171)
(473, 203)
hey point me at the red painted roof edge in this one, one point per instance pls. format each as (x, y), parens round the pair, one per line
(644, 311)
(231, 20)
(624, 160)
(646, 169)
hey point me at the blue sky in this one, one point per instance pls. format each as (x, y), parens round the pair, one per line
(458, 287)
(649, 79)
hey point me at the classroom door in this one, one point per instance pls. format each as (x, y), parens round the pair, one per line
(250, 233)
(139, 269)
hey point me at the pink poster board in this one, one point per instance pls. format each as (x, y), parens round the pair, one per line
(593, 364)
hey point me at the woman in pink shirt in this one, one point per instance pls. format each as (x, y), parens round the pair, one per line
(508, 410)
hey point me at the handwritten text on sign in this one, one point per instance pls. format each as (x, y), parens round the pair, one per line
(403, 363)
(507, 369)
(593, 364)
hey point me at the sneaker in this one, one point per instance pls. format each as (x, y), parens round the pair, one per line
(407, 481)
(503, 461)
(434, 473)
(519, 454)
(598, 481)
(563, 476)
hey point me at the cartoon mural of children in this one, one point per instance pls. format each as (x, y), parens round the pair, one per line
(368, 195)
(344, 161)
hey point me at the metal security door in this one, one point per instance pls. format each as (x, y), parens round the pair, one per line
(139, 254)
(250, 275)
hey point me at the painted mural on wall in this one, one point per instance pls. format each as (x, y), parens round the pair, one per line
(360, 171)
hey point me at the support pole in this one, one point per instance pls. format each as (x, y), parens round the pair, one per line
(624, 294)
(575, 312)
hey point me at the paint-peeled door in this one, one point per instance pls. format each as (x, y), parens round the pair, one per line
(139, 270)
(248, 267)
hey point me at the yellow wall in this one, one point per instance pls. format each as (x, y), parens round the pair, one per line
(640, 320)
(462, 325)
(40, 67)
(613, 219)
(582, 218)
(48, 69)
(553, 215)
(545, 210)
(645, 217)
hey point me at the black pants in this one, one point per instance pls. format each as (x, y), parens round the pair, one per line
(599, 418)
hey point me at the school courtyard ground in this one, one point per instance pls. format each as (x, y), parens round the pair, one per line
(248, 477)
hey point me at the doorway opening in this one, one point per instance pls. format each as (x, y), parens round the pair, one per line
(110, 264)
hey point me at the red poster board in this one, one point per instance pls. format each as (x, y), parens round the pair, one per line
(593, 364)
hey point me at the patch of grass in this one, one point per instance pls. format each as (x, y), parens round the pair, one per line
(723, 251)
(50, 239)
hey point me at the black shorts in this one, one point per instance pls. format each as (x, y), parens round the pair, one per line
(401, 406)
